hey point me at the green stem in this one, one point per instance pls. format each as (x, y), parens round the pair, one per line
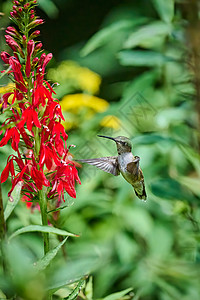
(43, 208)
(2, 220)
(2, 230)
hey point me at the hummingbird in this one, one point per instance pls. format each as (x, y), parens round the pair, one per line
(125, 163)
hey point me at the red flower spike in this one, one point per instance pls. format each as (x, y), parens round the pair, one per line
(35, 108)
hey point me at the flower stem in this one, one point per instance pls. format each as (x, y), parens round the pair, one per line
(2, 221)
(2, 230)
(43, 208)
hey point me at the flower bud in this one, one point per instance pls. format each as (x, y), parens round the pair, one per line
(26, 5)
(15, 13)
(35, 34)
(37, 48)
(47, 60)
(12, 31)
(42, 58)
(35, 23)
(30, 48)
(5, 57)
(35, 61)
(13, 45)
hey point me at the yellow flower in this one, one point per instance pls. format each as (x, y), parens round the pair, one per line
(8, 88)
(79, 77)
(69, 124)
(111, 122)
(76, 102)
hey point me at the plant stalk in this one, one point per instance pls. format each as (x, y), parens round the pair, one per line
(43, 208)
(190, 12)
(2, 231)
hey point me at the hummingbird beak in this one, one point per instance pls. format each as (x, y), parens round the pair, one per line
(107, 137)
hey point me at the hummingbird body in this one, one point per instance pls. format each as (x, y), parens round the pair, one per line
(125, 163)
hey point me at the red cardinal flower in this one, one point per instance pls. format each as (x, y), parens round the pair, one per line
(30, 117)
(35, 116)
(13, 134)
(39, 178)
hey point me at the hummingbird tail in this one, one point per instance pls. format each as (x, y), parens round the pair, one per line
(141, 194)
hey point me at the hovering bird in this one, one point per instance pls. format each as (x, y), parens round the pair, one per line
(125, 163)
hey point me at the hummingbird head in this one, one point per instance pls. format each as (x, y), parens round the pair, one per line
(123, 143)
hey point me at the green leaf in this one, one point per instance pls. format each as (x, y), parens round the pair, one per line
(47, 229)
(165, 9)
(191, 183)
(13, 200)
(118, 295)
(5, 72)
(142, 58)
(76, 291)
(160, 235)
(49, 8)
(73, 271)
(192, 156)
(169, 188)
(105, 34)
(45, 260)
(89, 289)
(147, 32)
(149, 139)
(2, 295)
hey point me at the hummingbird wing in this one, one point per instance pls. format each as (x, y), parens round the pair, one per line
(107, 164)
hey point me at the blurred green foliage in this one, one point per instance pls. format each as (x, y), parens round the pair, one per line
(141, 52)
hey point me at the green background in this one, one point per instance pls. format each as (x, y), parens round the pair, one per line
(144, 53)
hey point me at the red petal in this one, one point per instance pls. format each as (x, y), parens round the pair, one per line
(5, 173)
(35, 119)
